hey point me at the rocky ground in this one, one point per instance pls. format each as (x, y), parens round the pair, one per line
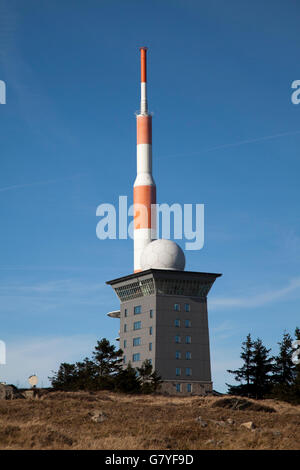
(105, 420)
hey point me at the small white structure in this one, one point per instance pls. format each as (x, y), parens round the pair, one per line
(163, 254)
(33, 380)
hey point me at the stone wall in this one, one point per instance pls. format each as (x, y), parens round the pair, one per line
(198, 388)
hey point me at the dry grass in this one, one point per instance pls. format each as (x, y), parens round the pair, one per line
(62, 421)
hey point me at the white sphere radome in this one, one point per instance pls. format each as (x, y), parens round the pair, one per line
(163, 254)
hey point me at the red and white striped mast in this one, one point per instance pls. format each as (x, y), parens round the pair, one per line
(144, 190)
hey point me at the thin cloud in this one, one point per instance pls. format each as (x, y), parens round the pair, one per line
(253, 141)
(38, 183)
(256, 300)
(237, 144)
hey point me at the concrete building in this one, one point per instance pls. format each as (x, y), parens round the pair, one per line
(163, 317)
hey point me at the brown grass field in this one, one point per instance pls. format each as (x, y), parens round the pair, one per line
(61, 420)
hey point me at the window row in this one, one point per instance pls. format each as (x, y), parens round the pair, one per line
(188, 387)
(187, 323)
(136, 342)
(135, 357)
(188, 371)
(188, 355)
(137, 310)
(188, 339)
(137, 326)
(177, 307)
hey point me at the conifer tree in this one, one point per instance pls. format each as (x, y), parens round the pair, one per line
(244, 373)
(284, 366)
(261, 369)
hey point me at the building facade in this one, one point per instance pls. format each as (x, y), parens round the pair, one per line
(163, 317)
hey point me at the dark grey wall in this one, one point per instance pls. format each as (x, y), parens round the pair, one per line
(163, 335)
(166, 347)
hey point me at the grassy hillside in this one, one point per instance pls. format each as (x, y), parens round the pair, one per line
(61, 420)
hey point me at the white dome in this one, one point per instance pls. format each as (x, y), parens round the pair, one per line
(163, 254)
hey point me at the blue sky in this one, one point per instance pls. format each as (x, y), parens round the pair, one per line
(225, 134)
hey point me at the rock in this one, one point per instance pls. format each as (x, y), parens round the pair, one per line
(276, 433)
(98, 416)
(210, 441)
(202, 423)
(214, 442)
(9, 392)
(249, 425)
(230, 421)
(241, 404)
(219, 423)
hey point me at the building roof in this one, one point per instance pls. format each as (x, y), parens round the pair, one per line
(165, 273)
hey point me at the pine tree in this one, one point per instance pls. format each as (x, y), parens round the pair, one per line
(244, 373)
(261, 369)
(150, 381)
(85, 374)
(127, 380)
(107, 359)
(294, 395)
(284, 366)
(65, 378)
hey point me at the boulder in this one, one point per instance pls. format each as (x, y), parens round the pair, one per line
(202, 423)
(242, 404)
(249, 425)
(98, 416)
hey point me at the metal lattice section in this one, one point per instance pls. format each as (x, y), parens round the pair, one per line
(185, 287)
(135, 289)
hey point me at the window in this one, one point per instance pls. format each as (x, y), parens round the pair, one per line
(150, 330)
(135, 289)
(188, 387)
(188, 355)
(151, 313)
(177, 339)
(178, 387)
(125, 327)
(188, 323)
(187, 307)
(188, 339)
(124, 359)
(137, 309)
(177, 307)
(178, 371)
(125, 343)
(125, 312)
(150, 360)
(190, 288)
(136, 341)
(188, 371)
(177, 322)
(137, 325)
(150, 346)
(178, 355)
(136, 357)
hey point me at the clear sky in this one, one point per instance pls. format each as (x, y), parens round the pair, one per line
(225, 134)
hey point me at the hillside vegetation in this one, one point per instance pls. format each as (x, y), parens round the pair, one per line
(108, 420)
